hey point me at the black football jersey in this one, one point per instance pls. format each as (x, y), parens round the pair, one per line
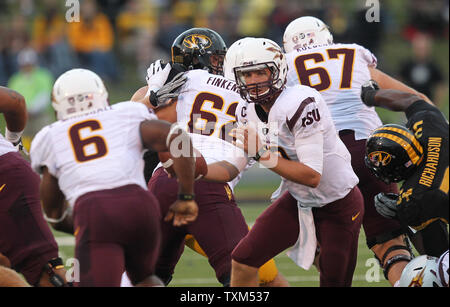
(427, 189)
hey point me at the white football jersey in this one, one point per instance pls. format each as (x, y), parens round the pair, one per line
(207, 104)
(298, 113)
(5, 146)
(337, 71)
(97, 151)
(206, 108)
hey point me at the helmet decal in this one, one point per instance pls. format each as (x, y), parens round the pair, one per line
(197, 41)
(380, 157)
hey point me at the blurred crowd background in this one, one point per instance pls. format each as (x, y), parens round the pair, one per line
(118, 39)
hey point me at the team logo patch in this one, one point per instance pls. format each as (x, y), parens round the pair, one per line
(197, 41)
(380, 158)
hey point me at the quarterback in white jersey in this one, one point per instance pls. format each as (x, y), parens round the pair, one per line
(315, 167)
(338, 71)
(206, 108)
(92, 157)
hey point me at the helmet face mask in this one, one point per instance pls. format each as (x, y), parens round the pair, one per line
(392, 153)
(261, 91)
(200, 48)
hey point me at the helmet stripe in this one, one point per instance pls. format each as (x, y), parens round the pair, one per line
(408, 135)
(406, 146)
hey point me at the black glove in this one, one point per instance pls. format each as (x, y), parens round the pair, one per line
(168, 91)
(386, 204)
(368, 91)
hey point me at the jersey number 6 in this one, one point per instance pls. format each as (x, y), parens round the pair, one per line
(81, 146)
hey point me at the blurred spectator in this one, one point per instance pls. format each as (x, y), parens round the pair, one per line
(35, 84)
(253, 17)
(136, 34)
(168, 30)
(93, 40)
(365, 33)
(427, 16)
(16, 38)
(282, 14)
(421, 72)
(49, 38)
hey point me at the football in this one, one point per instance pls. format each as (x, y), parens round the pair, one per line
(201, 168)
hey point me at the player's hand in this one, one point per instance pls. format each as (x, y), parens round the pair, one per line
(182, 212)
(170, 90)
(367, 90)
(247, 139)
(386, 204)
(157, 75)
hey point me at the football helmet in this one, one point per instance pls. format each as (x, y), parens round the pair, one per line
(443, 269)
(256, 54)
(304, 32)
(200, 48)
(392, 153)
(78, 91)
(422, 271)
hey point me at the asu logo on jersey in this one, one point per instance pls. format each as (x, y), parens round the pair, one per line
(380, 158)
(197, 41)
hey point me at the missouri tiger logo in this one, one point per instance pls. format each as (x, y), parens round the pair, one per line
(380, 157)
(197, 41)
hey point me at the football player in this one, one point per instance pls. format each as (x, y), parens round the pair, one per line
(92, 157)
(417, 155)
(318, 181)
(206, 108)
(337, 71)
(25, 237)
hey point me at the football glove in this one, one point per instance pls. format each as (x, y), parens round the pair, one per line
(157, 75)
(386, 204)
(168, 91)
(368, 91)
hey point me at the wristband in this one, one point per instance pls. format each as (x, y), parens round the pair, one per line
(186, 197)
(260, 153)
(13, 137)
(369, 97)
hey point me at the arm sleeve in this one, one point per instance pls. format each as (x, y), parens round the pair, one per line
(368, 56)
(41, 153)
(308, 133)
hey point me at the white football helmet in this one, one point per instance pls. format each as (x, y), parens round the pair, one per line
(305, 32)
(78, 91)
(252, 54)
(443, 269)
(422, 271)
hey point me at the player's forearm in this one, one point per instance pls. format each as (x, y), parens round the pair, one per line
(393, 100)
(221, 171)
(51, 196)
(13, 107)
(387, 82)
(291, 170)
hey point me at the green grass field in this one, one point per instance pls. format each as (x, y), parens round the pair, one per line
(193, 269)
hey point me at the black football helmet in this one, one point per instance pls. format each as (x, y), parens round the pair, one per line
(200, 48)
(392, 153)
